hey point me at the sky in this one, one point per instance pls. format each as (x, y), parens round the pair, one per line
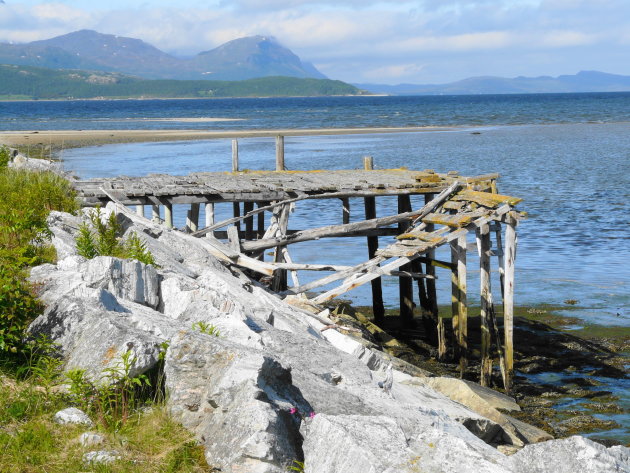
(363, 41)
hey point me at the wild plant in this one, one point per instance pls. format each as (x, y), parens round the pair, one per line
(297, 466)
(5, 156)
(206, 328)
(104, 238)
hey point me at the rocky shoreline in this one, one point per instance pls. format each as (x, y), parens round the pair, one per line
(283, 381)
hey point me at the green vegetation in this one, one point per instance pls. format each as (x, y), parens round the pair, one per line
(39, 83)
(104, 238)
(26, 198)
(207, 329)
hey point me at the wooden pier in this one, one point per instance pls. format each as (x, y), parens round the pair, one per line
(453, 207)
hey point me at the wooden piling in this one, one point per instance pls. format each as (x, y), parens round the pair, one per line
(140, 210)
(405, 284)
(209, 208)
(155, 213)
(430, 301)
(462, 305)
(378, 306)
(260, 230)
(192, 219)
(249, 221)
(280, 276)
(235, 155)
(280, 153)
(508, 300)
(168, 215)
(345, 202)
(483, 236)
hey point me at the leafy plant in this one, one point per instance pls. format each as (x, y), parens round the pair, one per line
(297, 466)
(104, 238)
(205, 328)
(5, 156)
(18, 307)
(115, 397)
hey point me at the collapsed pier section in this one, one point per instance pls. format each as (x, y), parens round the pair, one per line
(262, 201)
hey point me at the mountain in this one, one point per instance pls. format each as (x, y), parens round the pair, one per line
(584, 81)
(243, 58)
(28, 82)
(250, 57)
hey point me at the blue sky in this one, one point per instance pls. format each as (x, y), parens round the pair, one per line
(388, 41)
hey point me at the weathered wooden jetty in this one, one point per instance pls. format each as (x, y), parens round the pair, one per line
(453, 207)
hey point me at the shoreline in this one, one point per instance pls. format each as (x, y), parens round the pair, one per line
(81, 138)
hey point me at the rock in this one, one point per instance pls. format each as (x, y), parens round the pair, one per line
(22, 162)
(236, 401)
(486, 402)
(508, 449)
(72, 415)
(91, 439)
(571, 455)
(101, 457)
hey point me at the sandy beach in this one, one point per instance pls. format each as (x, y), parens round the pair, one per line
(77, 138)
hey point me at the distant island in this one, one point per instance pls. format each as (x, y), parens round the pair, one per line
(33, 83)
(584, 81)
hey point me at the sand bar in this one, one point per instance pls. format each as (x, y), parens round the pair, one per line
(78, 138)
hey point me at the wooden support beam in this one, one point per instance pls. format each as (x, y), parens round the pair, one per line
(345, 212)
(249, 221)
(140, 210)
(340, 230)
(280, 276)
(168, 214)
(500, 258)
(483, 236)
(462, 305)
(209, 208)
(508, 301)
(431, 302)
(260, 230)
(155, 213)
(378, 306)
(235, 155)
(405, 285)
(192, 218)
(335, 267)
(280, 153)
(236, 210)
(234, 239)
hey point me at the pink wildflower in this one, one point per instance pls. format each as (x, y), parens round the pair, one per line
(311, 415)
(293, 410)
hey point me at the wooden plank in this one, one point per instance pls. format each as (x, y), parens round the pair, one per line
(487, 199)
(234, 238)
(457, 220)
(339, 230)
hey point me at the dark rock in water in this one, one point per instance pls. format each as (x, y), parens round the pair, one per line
(582, 423)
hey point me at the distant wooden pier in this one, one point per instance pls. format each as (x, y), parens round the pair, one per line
(262, 201)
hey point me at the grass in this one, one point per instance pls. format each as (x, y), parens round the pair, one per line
(30, 442)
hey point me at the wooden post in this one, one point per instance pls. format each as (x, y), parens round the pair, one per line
(140, 210)
(280, 153)
(483, 236)
(463, 302)
(168, 215)
(280, 277)
(501, 260)
(405, 284)
(345, 202)
(249, 221)
(508, 301)
(155, 213)
(236, 208)
(431, 301)
(455, 294)
(234, 155)
(209, 214)
(260, 231)
(192, 219)
(378, 307)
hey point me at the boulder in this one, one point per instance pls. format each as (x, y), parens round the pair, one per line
(72, 415)
(571, 455)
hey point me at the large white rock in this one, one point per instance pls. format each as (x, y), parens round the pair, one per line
(72, 415)
(571, 455)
